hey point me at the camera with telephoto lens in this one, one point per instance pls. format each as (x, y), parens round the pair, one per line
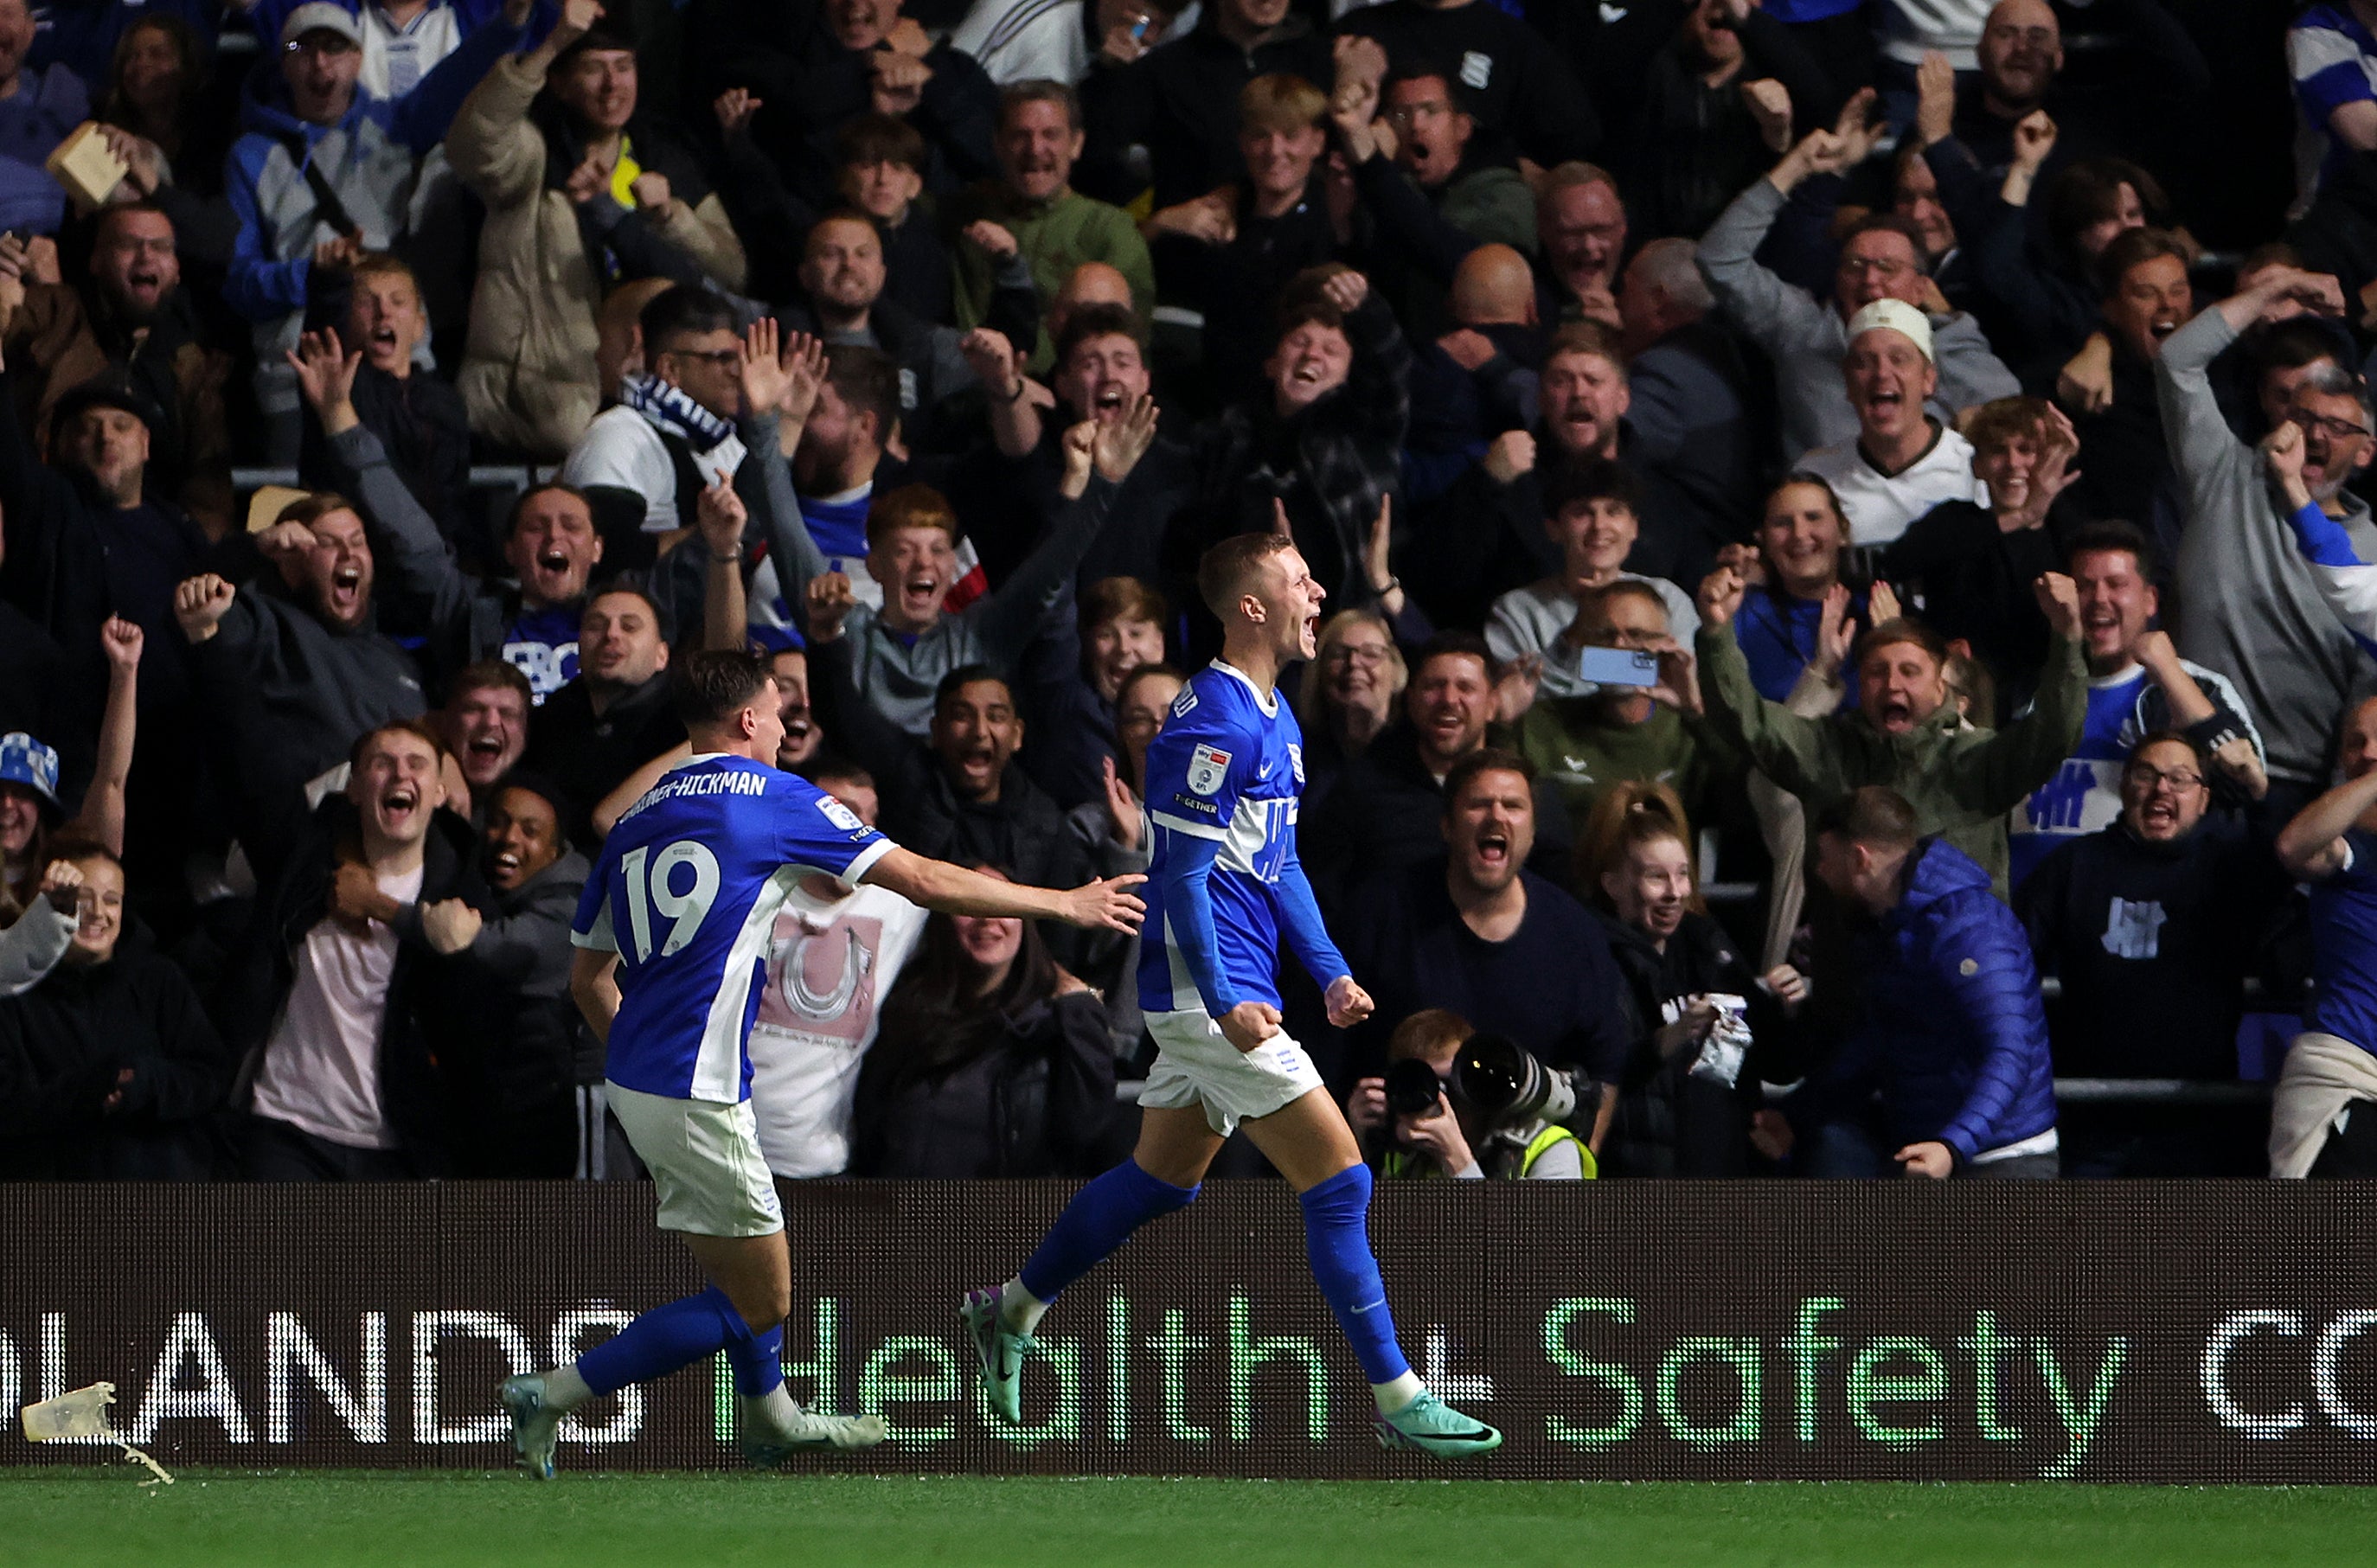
(1504, 1084)
(1412, 1087)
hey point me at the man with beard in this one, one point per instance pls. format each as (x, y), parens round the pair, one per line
(1583, 396)
(322, 1002)
(958, 794)
(291, 670)
(842, 277)
(1384, 809)
(1054, 227)
(1906, 732)
(2140, 921)
(1904, 461)
(1477, 934)
(2137, 685)
(1101, 376)
(1882, 257)
(130, 322)
(522, 1075)
(615, 715)
(2253, 609)
(550, 545)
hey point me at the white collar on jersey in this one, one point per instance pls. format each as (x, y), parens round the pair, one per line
(1270, 705)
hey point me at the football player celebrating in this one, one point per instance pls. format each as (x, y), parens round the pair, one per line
(673, 933)
(1222, 782)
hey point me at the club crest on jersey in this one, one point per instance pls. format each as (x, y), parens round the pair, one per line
(841, 816)
(1208, 766)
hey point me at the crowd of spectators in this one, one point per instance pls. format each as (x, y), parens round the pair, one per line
(1843, 524)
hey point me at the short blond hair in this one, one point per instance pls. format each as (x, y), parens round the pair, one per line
(1280, 102)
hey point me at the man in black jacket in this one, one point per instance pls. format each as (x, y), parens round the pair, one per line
(1520, 90)
(616, 717)
(959, 795)
(1387, 807)
(1180, 99)
(338, 1077)
(522, 1074)
(2147, 924)
(816, 66)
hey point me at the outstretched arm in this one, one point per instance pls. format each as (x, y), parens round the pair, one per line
(1103, 904)
(101, 813)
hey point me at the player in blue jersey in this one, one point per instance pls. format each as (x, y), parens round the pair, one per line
(1222, 783)
(673, 935)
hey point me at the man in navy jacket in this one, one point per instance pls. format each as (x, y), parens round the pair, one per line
(1948, 1066)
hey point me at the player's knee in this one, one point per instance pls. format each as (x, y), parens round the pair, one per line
(1343, 1199)
(1158, 1195)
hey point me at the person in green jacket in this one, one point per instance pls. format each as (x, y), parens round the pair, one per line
(1905, 733)
(1620, 734)
(1033, 209)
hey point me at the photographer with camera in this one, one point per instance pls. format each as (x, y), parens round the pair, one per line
(1449, 1106)
(1476, 932)
(1706, 1027)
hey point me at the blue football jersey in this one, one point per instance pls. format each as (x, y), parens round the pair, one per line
(1224, 768)
(686, 893)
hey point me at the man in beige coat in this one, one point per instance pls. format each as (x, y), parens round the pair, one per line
(582, 193)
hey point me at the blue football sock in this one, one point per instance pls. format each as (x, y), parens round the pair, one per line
(1100, 1219)
(665, 1338)
(759, 1362)
(1338, 1241)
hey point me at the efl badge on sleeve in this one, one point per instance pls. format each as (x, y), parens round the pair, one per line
(1208, 766)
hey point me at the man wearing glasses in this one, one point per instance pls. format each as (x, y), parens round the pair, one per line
(2139, 920)
(1882, 258)
(323, 175)
(2137, 685)
(2255, 610)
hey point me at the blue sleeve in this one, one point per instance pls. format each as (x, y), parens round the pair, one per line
(258, 285)
(1990, 979)
(2324, 540)
(818, 830)
(1185, 860)
(1299, 919)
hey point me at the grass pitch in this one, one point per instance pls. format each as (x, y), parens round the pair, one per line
(424, 1520)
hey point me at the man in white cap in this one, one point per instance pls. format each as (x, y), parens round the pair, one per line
(1904, 461)
(1882, 256)
(323, 174)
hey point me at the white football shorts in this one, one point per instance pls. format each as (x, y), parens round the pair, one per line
(705, 1161)
(1196, 1064)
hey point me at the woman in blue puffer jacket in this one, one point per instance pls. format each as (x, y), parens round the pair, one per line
(1946, 1070)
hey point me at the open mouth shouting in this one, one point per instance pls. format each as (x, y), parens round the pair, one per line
(343, 594)
(1493, 849)
(921, 590)
(400, 808)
